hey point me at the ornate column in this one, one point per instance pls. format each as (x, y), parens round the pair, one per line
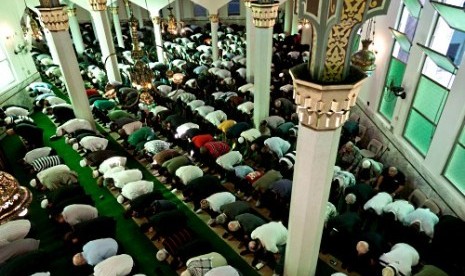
(158, 39)
(55, 20)
(288, 15)
(264, 17)
(116, 23)
(250, 43)
(100, 19)
(324, 91)
(75, 31)
(214, 30)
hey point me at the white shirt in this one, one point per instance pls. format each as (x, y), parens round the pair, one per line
(109, 173)
(229, 160)
(217, 200)
(204, 110)
(191, 83)
(226, 270)
(181, 130)
(54, 100)
(137, 188)
(130, 128)
(402, 256)
(119, 265)
(400, 208)
(251, 134)
(188, 173)
(426, 218)
(216, 117)
(115, 161)
(94, 143)
(196, 103)
(14, 230)
(15, 110)
(277, 145)
(287, 88)
(271, 235)
(378, 202)
(73, 125)
(241, 71)
(52, 170)
(157, 109)
(164, 89)
(76, 213)
(123, 177)
(245, 87)
(36, 153)
(246, 107)
(156, 146)
(187, 97)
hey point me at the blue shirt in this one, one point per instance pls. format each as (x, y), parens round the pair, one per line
(242, 171)
(98, 250)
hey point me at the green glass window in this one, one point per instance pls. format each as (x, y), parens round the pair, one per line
(414, 6)
(454, 15)
(394, 77)
(455, 171)
(428, 104)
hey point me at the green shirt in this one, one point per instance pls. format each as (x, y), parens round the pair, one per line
(175, 163)
(118, 114)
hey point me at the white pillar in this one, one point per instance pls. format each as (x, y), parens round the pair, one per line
(100, 19)
(158, 38)
(51, 46)
(75, 31)
(313, 171)
(295, 23)
(214, 30)
(306, 35)
(138, 14)
(250, 46)
(117, 26)
(127, 8)
(264, 16)
(288, 15)
(67, 61)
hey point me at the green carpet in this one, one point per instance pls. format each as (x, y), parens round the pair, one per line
(133, 242)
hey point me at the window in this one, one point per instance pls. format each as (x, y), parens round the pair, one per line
(199, 11)
(428, 104)
(403, 40)
(454, 171)
(5, 71)
(234, 8)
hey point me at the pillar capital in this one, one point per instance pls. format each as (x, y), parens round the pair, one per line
(213, 18)
(247, 3)
(98, 5)
(264, 15)
(54, 19)
(323, 107)
(126, 3)
(114, 10)
(70, 11)
(156, 20)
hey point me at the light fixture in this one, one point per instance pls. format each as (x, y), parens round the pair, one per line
(14, 198)
(304, 23)
(171, 24)
(177, 78)
(365, 58)
(397, 91)
(140, 73)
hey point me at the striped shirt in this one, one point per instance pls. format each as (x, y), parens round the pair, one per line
(288, 159)
(45, 162)
(216, 149)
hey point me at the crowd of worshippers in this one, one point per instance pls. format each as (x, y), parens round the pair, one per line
(208, 117)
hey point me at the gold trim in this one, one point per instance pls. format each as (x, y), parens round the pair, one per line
(156, 20)
(264, 15)
(213, 18)
(71, 11)
(54, 19)
(114, 10)
(98, 5)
